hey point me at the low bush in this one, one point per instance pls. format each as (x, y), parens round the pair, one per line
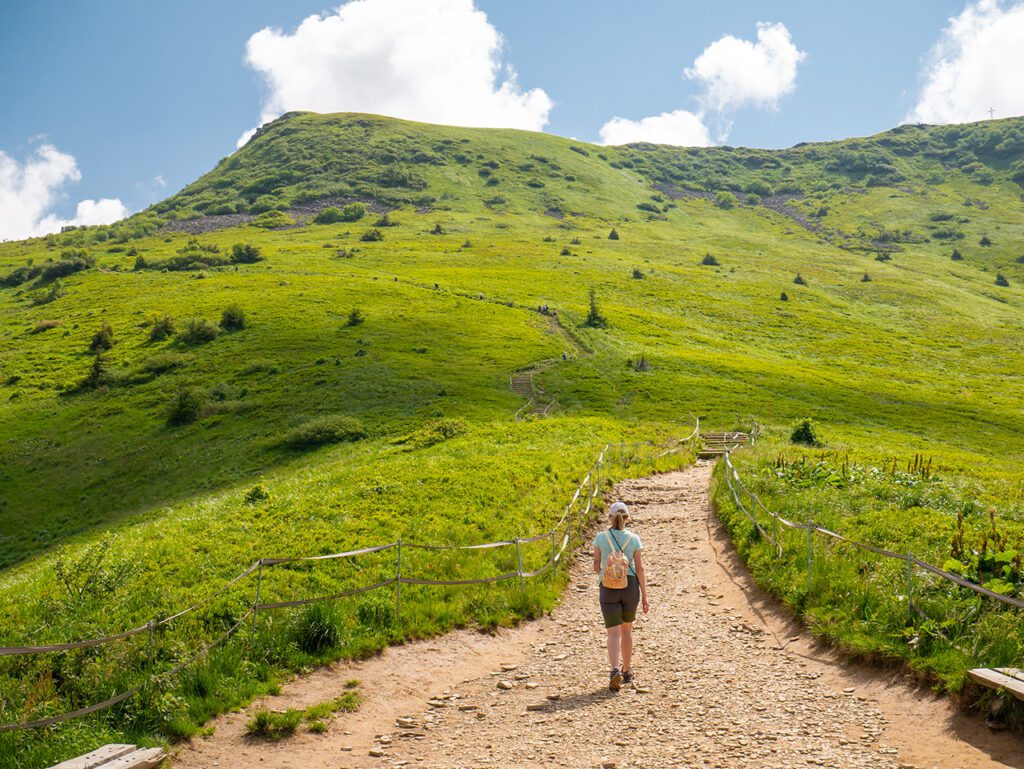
(709, 261)
(272, 220)
(956, 256)
(103, 339)
(256, 495)
(233, 318)
(1001, 280)
(866, 278)
(187, 406)
(245, 253)
(799, 280)
(45, 325)
(372, 236)
(438, 230)
(613, 235)
(434, 432)
(638, 274)
(322, 431)
(385, 220)
(805, 432)
(725, 200)
(355, 317)
(985, 241)
(198, 331)
(161, 364)
(330, 215)
(162, 328)
(783, 297)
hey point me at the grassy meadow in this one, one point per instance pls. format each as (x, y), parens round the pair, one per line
(172, 409)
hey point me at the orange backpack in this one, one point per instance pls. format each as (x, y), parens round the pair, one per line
(616, 569)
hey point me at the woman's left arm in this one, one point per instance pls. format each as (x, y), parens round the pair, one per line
(641, 577)
(597, 560)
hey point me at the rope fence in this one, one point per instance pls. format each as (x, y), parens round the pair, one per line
(574, 519)
(738, 488)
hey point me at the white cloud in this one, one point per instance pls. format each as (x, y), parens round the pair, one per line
(738, 73)
(681, 128)
(437, 61)
(29, 190)
(733, 73)
(975, 66)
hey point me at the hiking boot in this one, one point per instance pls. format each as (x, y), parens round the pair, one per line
(615, 680)
(627, 676)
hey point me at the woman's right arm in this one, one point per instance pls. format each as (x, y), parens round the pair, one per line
(597, 560)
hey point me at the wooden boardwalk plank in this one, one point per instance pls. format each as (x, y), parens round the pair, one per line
(97, 757)
(146, 758)
(993, 679)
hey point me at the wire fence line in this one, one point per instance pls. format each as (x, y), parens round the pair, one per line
(563, 535)
(737, 487)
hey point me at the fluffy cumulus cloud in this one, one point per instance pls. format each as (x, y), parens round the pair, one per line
(975, 66)
(29, 190)
(433, 60)
(682, 128)
(732, 73)
(740, 73)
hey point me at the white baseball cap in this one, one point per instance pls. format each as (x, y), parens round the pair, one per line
(618, 507)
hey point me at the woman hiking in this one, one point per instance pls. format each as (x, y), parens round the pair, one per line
(619, 562)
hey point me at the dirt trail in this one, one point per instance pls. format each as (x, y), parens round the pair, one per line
(724, 679)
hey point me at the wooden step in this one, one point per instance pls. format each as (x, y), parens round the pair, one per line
(1000, 678)
(97, 758)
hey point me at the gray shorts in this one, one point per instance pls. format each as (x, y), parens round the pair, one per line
(619, 606)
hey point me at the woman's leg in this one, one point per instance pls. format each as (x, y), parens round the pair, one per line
(626, 644)
(614, 637)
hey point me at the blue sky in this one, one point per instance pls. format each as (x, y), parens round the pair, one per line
(133, 100)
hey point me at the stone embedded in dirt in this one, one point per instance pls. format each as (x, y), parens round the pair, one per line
(532, 685)
(554, 697)
(508, 667)
(465, 708)
(537, 706)
(376, 752)
(560, 657)
(436, 703)
(405, 723)
(506, 685)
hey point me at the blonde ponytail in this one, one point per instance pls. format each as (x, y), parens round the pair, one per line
(619, 513)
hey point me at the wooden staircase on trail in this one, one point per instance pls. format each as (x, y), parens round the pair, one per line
(712, 445)
(115, 757)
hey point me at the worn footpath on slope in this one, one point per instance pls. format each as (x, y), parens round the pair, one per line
(724, 679)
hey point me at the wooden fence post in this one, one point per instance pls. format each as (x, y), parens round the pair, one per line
(910, 587)
(256, 601)
(519, 568)
(398, 583)
(554, 563)
(810, 555)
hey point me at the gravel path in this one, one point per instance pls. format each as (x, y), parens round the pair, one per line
(723, 680)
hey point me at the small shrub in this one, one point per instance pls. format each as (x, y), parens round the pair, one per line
(100, 374)
(272, 220)
(956, 256)
(594, 317)
(805, 432)
(638, 274)
(274, 726)
(866, 278)
(783, 297)
(799, 280)
(161, 364)
(245, 253)
(438, 230)
(45, 325)
(613, 235)
(318, 627)
(1001, 280)
(162, 328)
(103, 339)
(575, 242)
(709, 261)
(565, 251)
(372, 236)
(330, 215)
(233, 318)
(725, 200)
(385, 220)
(434, 432)
(355, 317)
(198, 331)
(985, 241)
(321, 431)
(187, 406)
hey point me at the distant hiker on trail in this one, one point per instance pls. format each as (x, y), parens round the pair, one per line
(618, 560)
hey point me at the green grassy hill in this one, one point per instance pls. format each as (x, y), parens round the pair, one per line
(150, 454)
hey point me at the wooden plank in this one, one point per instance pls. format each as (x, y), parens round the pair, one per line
(97, 757)
(1012, 673)
(993, 679)
(145, 758)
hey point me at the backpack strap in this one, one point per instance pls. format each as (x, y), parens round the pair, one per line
(608, 533)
